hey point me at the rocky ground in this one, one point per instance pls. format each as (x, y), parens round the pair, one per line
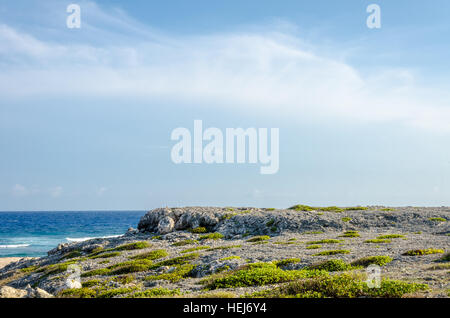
(233, 252)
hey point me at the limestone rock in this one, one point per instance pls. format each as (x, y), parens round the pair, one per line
(166, 225)
(9, 292)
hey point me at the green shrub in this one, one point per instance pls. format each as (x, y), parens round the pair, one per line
(105, 255)
(200, 229)
(332, 252)
(332, 265)
(387, 209)
(257, 276)
(91, 283)
(133, 246)
(198, 248)
(437, 219)
(350, 234)
(180, 260)
(332, 209)
(287, 261)
(377, 260)
(180, 272)
(344, 285)
(423, 252)
(270, 223)
(71, 254)
(153, 255)
(300, 207)
(356, 208)
(96, 272)
(29, 269)
(226, 247)
(326, 241)
(156, 292)
(377, 241)
(259, 238)
(313, 247)
(185, 242)
(211, 236)
(390, 236)
(346, 219)
(230, 258)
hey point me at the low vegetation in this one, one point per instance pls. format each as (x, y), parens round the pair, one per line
(423, 252)
(378, 241)
(259, 238)
(331, 265)
(211, 236)
(152, 255)
(350, 234)
(257, 274)
(345, 285)
(380, 260)
(326, 241)
(332, 252)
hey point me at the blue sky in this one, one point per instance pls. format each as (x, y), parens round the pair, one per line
(86, 114)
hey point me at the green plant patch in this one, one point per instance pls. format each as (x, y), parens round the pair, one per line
(152, 255)
(225, 247)
(380, 260)
(350, 234)
(270, 209)
(29, 269)
(200, 229)
(91, 283)
(332, 209)
(331, 265)
(256, 276)
(180, 260)
(259, 238)
(346, 219)
(439, 267)
(158, 292)
(126, 279)
(313, 246)
(211, 236)
(332, 252)
(387, 209)
(72, 254)
(193, 249)
(230, 258)
(357, 208)
(177, 274)
(284, 243)
(377, 241)
(105, 255)
(286, 262)
(437, 219)
(133, 246)
(390, 236)
(344, 285)
(96, 272)
(313, 232)
(326, 241)
(300, 207)
(185, 242)
(270, 223)
(423, 252)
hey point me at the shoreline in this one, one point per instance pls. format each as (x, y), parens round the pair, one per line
(5, 261)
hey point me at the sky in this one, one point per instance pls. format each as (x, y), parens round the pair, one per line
(86, 115)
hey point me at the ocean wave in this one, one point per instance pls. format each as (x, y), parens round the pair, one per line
(82, 239)
(14, 245)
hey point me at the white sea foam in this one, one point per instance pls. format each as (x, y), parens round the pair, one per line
(14, 245)
(82, 239)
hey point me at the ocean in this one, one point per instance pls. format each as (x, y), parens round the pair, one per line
(35, 233)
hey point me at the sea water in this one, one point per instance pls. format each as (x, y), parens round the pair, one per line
(35, 233)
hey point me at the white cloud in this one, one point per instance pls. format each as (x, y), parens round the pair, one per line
(56, 191)
(101, 191)
(252, 71)
(20, 190)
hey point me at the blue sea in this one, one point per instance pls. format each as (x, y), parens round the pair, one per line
(35, 233)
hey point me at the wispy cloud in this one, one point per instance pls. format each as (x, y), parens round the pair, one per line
(268, 69)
